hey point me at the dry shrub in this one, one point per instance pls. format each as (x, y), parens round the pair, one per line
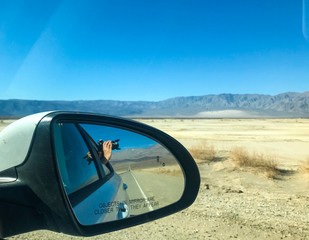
(171, 172)
(203, 153)
(304, 168)
(257, 162)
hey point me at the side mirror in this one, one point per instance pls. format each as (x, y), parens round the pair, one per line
(63, 182)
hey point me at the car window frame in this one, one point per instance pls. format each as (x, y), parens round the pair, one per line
(93, 147)
(79, 195)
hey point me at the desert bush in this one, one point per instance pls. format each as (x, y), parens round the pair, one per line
(258, 162)
(169, 171)
(304, 168)
(203, 152)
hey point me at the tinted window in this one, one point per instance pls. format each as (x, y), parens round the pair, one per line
(77, 169)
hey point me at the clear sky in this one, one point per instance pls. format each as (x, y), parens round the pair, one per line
(152, 49)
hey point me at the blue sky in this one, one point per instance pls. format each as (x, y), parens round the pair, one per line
(152, 50)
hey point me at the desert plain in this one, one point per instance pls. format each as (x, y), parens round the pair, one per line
(235, 201)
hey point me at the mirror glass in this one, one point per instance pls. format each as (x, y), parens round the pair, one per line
(110, 173)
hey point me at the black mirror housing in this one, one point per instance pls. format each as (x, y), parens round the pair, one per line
(32, 195)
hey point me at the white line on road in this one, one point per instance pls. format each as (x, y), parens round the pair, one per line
(142, 192)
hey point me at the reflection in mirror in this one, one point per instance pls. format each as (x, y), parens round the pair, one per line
(140, 175)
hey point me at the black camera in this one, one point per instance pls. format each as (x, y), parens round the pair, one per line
(115, 144)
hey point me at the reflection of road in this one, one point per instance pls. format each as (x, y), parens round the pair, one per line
(139, 201)
(148, 191)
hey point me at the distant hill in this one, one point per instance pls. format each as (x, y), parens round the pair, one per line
(288, 104)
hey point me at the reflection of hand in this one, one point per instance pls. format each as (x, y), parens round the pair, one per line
(107, 149)
(89, 155)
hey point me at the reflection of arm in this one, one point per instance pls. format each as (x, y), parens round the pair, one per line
(107, 151)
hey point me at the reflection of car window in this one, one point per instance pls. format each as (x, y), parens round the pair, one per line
(77, 170)
(106, 170)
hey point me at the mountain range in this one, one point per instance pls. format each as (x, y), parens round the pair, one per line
(289, 104)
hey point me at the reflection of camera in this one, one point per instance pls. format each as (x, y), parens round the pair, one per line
(115, 145)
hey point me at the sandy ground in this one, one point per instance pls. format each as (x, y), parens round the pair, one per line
(234, 203)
